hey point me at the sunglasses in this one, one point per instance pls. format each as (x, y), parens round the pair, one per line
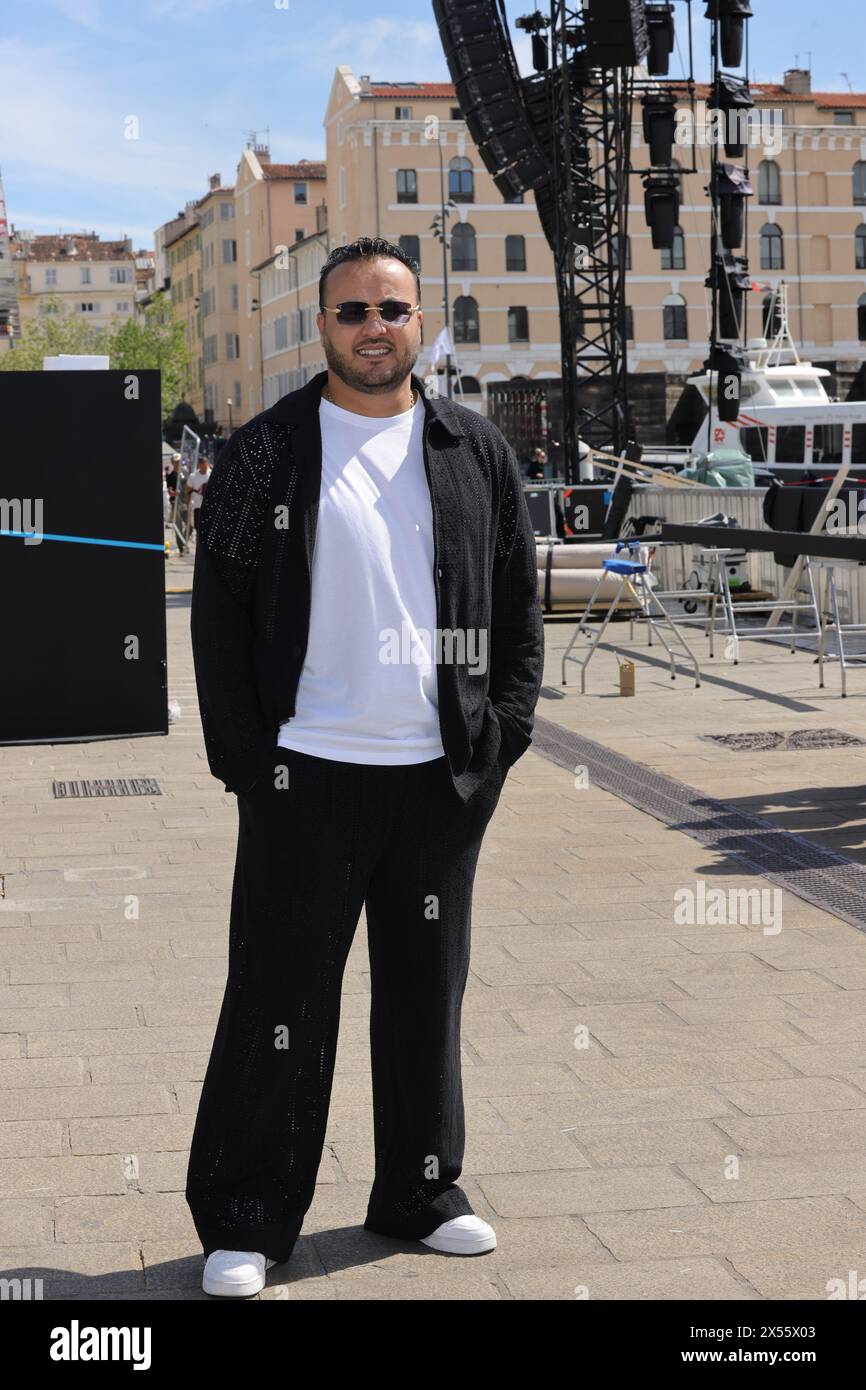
(353, 311)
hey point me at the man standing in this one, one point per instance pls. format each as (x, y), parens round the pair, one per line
(196, 485)
(368, 643)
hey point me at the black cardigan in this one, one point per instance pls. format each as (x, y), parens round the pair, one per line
(252, 587)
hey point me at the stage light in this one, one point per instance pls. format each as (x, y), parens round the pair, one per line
(733, 99)
(732, 189)
(734, 280)
(732, 16)
(660, 28)
(659, 123)
(540, 58)
(662, 207)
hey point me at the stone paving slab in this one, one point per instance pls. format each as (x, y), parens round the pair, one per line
(655, 1109)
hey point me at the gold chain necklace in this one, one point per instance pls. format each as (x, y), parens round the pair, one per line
(327, 395)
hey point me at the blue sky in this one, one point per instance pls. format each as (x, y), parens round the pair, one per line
(198, 74)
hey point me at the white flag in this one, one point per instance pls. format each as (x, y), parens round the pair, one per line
(441, 346)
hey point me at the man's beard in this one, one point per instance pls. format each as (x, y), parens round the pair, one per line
(398, 364)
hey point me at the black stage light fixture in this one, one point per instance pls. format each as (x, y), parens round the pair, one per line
(729, 363)
(487, 85)
(616, 33)
(659, 125)
(734, 281)
(540, 57)
(733, 98)
(732, 16)
(731, 191)
(662, 207)
(660, 28)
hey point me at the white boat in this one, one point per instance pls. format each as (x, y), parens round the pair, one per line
(787, 422)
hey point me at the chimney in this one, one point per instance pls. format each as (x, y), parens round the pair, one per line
(214, 181)
(797, 81)
(365, 83)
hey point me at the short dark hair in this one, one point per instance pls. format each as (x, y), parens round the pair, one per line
(367, 248)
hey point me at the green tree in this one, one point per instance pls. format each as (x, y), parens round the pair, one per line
(153, 338)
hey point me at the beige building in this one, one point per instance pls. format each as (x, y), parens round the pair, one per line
(276, 206)
(806, 225)
(386, 178)
(289, 350)
(183, 272)
(78, 275)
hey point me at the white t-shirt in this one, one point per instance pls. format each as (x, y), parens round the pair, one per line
(367, 691)
(195, 482)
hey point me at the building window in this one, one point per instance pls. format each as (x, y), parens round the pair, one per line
(235, 299)
(515, 253)
(402, 113)
(86, 308)
(407, 186)
(674, 258)
(85, 275)
(464, 255)
(51, 277)
(411, 246)
(769, 182)
(300, 192)
(466, 320)
(237, 395)
(247, 245)
(456, 113)
(121, 306)
(299, 234)
(227, 212)
(119, 275)
(772, 247)
(861, 318)
(342, 188)
(859, 179)
(675, 317)
(860, 247)
(281, 333)
(629, 323)
(461, 186)
(518, 324)
(233, 347)
(843, 117)
(230, 251)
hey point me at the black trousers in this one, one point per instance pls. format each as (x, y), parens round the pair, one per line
(398, 840)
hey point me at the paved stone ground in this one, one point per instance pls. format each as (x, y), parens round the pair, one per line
(609, 1167)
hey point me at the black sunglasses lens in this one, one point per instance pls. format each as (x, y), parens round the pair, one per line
(395, 311)
(353, 311)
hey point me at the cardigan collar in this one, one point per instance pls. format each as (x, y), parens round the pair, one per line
(297, 405)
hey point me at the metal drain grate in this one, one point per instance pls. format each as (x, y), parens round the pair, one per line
(797, 738)
(108, 786)
(818, 875)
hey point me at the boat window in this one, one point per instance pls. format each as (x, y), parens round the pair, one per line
(748, 389)
(754, 443)
(790, 443)
(783, 386)
(827, 447)
(809, 386)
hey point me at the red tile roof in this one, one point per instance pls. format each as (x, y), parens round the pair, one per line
(305, 169)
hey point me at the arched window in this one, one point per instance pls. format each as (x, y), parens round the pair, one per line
(463, 252)
(515, 253)
(772, 247)
(860, 247)
(471, 386)
(466, 320)
(675, 257)
(859, 179)
(861, 318)
(461, 185)
(675, 317)
(769, 182)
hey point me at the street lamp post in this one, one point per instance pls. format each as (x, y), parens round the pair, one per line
(439, 227)
(229, 404)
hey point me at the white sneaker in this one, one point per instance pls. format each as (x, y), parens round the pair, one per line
(463, 1235)
(235, 1273)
